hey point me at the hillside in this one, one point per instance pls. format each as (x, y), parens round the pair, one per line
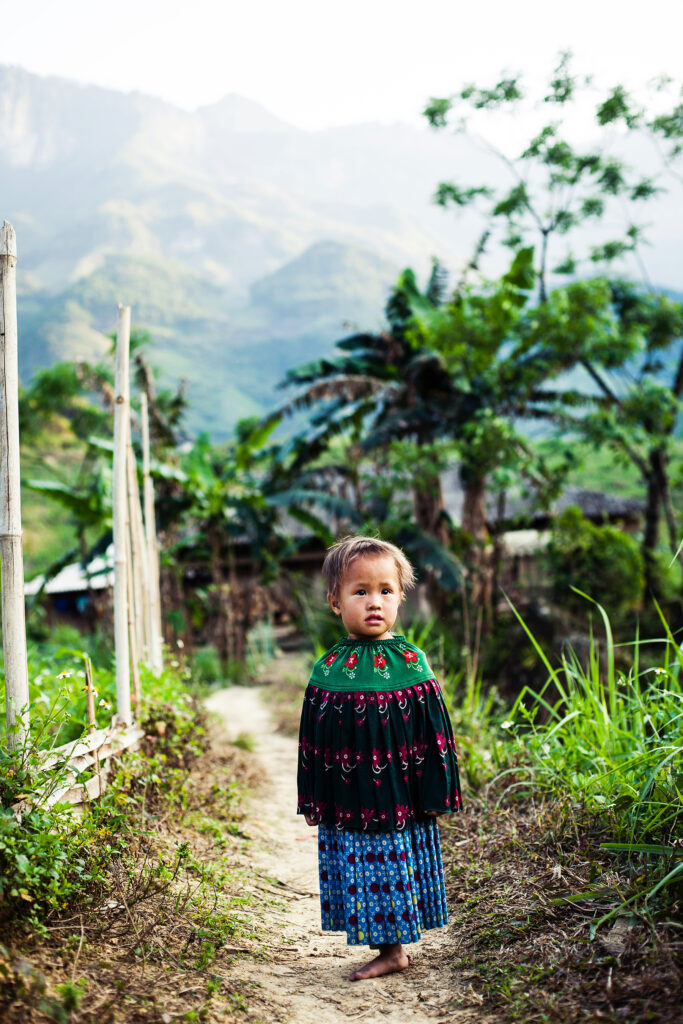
(243, 244)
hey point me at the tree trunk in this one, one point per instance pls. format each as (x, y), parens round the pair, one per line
(173, 602)
(223, 634)
(479, 556)
(430, 511)
(430, 517)
(238, 615)
(656, 490)
(497, 554)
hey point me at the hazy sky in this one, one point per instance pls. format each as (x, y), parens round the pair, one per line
(316, 63)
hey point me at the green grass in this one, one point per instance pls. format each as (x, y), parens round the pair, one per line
(610, 742)
(46, 863)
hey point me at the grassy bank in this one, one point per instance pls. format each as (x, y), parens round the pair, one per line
(137, 909)
(566, 870)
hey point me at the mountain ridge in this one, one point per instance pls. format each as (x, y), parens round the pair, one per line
(233, 234)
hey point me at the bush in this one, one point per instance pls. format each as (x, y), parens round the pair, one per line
(48, 857)
(206, 666)
(602, 561)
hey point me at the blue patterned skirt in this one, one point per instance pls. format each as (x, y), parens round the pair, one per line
(381, 887)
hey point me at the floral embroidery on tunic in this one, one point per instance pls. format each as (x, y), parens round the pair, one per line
(349, 666)
(381, 664)
(376, 749)
(328, 662)
(411, 659)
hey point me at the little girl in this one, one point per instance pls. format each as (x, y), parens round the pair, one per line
(377, 763)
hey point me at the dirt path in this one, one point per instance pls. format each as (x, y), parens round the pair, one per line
(305, 978)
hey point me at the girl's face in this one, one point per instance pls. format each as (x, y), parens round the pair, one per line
(368, 597)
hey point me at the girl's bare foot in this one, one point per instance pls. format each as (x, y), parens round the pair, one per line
(392, 958)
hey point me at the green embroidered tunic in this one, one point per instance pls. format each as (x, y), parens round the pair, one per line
(376, 746)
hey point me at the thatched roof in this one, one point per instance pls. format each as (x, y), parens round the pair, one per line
(523, 510)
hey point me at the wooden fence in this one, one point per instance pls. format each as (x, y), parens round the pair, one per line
(137, 607)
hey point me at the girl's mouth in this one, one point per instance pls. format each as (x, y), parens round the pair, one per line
(373, 620)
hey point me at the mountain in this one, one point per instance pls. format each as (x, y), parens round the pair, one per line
(244, 244)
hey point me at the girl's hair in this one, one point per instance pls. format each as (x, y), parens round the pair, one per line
(340, 555)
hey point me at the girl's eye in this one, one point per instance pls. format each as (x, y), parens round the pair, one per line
(386, 590)
(360, 591)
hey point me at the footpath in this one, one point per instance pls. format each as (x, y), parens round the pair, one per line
(304, 978)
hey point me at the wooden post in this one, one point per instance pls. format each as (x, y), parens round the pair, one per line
(155, 630)
(121, 416)
(132, 629)
(141, 548)
(138, 565)
(92, 718)
(12, 582)
(90, 696)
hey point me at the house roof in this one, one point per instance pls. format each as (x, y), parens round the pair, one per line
(595, 505)
(524, 542)
(519, 508)
(73, 579)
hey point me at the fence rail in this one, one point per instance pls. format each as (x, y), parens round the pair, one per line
(78, 756)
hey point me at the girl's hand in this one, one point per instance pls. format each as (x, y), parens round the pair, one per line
(310, 820)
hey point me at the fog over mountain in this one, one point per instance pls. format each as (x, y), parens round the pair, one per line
(244, 244)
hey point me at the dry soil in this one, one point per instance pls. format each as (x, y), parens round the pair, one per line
(305, 978)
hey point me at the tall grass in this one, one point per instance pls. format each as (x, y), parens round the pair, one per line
(611, 741)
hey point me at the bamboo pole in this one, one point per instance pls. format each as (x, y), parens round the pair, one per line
(155, 630)
(138, 564)
(132, 630)
(89, 696)
(12, 573)
(141, 546)
(92, 718)
(121, 416)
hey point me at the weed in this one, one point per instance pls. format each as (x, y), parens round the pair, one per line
(245, 741)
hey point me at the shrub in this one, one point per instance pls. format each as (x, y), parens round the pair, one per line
(602, 561)
(48, 857)
(206, 666)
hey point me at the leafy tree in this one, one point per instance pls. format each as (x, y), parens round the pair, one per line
(663, 128)
(555, 187)
(235, 495)
(383, 388)
(450, 370)
(58, 414)
(64, 392)
(625, 340)
(639, 411)
(67, 408)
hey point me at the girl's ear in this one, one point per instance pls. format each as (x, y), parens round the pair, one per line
(333, 602)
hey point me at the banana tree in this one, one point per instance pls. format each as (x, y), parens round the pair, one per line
(235, 496)
(453, 370)
(380, 388)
